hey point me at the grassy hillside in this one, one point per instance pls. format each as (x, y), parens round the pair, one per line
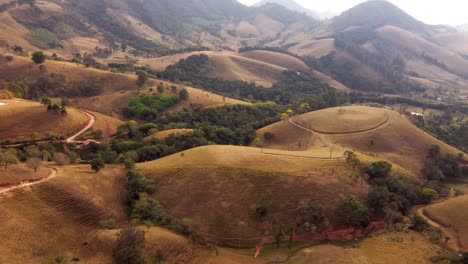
(76, 77)
(275, 58)
(61, 214)
(21, 118)
(364, 129)
(17, 173)
(65, 216)
(232, 68)
(382, 249)
(451, 214)
(219, 187)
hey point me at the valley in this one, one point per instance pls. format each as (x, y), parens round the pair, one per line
(201, 131)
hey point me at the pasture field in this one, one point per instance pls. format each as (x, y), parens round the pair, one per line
(20, 118)
(219, 187)
(376, 132)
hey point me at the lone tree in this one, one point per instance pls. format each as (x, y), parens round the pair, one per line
(183, 95)
(38, 57)
(34, 163)
(130, 245)
(97, 165)
(142, 78)
(61, 159)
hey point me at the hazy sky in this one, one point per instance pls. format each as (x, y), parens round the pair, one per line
(449, 12)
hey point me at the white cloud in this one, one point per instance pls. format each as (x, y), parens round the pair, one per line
(450, 12)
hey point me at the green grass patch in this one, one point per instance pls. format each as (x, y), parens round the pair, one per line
(43, 38)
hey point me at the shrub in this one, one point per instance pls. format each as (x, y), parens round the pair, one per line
(38, 57)
(418, 223)
(261, 211)
(5, 94)
(428, 195)
(268, 135)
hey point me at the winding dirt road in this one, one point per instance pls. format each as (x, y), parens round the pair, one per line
(52, 175)
(447, 231)
(91, 122)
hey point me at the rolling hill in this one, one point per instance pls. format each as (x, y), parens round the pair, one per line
(21, 118)
(67, 216)
(373, 131)
(219, 187)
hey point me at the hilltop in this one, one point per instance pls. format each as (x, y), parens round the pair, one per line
(374, 131)
(220, 186)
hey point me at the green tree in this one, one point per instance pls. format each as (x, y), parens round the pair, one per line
(97, 164)
(428, 195)
(351, 212)
(130, 245)
(142, 78)
(8, 158)
(38, 57)
(380, 169)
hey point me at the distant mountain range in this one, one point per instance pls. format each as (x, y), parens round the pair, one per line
(289, 4)
(374, 46)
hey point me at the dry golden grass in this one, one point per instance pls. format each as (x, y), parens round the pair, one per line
(12, 32)
(161, 63)
(314, 48)
(17, 173)
(23, 69)
(275, 58)
(161, 135)
(233, 67)
(382, 249)
(106, 124)
(409, 41)
(454, 41)
(55, 218)
(398, 140)
(18, 119)
(345, 119)
(452, 213)
(219, 187)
